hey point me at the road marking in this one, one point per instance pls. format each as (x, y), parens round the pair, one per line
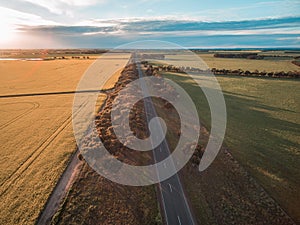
(165, 165)
(160, 149)
(170, 187)
(179, 220)
(149, 111)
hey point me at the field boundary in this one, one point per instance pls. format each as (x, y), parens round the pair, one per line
(51, 93)
(60, 191)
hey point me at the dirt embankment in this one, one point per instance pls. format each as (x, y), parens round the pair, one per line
(95, 200)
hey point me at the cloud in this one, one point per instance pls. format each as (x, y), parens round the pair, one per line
(110, 33)
(186, 25)
(251, 10)
(63, 6)
(289, 39)
(223, 32)
(157, 26)
(71, 30)
(15, 19)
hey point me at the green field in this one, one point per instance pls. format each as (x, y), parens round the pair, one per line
(263, 127)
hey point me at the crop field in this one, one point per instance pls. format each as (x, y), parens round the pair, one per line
(262, 130)
(248, 64)
(233, 64)
(37, 140)
(36, 129)
(274, 65)
(27, 77)
(49, 53)
(33, 155)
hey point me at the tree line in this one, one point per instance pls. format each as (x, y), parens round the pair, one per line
(154, 70)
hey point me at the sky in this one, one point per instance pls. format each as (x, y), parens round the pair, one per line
(110, 23)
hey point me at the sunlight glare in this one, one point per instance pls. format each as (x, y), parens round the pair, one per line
(7, 34)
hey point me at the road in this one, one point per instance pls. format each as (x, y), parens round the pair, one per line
(173, 200)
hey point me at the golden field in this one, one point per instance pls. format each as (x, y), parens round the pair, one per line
(207, 60)
(36, 130)
(26, 77)
(247, 64)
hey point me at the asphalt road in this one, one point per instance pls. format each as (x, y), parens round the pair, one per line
(173, 200)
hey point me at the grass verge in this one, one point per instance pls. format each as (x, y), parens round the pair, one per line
(262, 131)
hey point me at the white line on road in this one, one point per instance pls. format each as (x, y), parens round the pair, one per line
(165, 165)
(179, 220)
(170, 187)
(149, 111)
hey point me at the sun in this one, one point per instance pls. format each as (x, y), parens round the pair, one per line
(7, 34)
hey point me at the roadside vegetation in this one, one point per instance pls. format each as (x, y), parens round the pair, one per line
(262, 131)
(93, 199)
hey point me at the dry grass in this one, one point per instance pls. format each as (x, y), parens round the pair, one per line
(94, 199)
(262, 130)
(113, 79)
(36, 131)
(40, 76)
(247, 64)
(225, 193)
(33, 156)
(22, 77)
(209, 60)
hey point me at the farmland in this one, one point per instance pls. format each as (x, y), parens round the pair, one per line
(274, 65)
(27, 77)
(36, 129)
(246, 64)
(257, 164)
(32, 161)
(262, 127)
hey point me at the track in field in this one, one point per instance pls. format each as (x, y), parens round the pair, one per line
(35, 105)
(12, 178)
